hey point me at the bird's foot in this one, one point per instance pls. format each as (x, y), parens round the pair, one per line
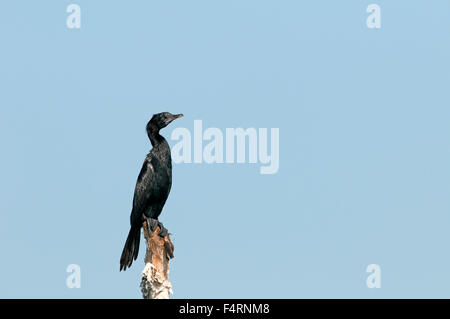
(153, 223)
(163, 230)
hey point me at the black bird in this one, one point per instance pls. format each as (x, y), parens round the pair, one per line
(152, 187)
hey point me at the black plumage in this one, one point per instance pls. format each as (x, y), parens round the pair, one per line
(152, 187)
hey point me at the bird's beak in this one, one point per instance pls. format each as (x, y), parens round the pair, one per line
(178, 116)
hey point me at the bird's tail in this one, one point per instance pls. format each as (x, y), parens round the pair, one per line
(131, 249)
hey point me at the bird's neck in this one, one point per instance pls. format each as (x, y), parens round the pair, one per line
(154, 136)
(157, 140)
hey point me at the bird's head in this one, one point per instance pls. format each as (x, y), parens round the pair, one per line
(161, 120)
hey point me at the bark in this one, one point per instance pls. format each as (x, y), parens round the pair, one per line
(155, 282)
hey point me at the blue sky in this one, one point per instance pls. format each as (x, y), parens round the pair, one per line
(364, 173)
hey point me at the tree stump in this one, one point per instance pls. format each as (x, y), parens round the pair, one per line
(155, 282)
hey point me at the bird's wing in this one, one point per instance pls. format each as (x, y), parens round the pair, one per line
(143, 190)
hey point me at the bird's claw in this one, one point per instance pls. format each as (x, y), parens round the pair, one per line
(153, 223)
(163, 232)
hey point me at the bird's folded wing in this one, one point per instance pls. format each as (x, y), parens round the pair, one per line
(143, 190)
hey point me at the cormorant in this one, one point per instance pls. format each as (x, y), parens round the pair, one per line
(152, 187)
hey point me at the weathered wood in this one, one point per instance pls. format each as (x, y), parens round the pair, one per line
(155, 282)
